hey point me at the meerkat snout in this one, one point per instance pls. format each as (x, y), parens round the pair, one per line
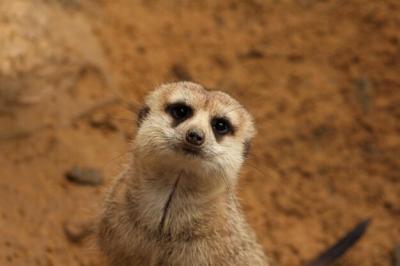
(195, 136)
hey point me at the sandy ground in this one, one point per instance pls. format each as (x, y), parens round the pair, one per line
(322, 79)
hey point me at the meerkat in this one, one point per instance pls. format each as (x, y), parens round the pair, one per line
(176, 204)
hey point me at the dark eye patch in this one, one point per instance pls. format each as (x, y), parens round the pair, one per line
(221, 126)
(143, 112)
(179, 112)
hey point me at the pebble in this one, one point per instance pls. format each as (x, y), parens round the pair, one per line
(76, 231)
(85, 176)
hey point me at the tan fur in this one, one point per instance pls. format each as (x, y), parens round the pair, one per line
(204, 224)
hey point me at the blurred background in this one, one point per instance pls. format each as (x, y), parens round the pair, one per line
(322, 79)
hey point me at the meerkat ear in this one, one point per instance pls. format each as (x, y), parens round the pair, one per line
(246, 148)
(143, 112)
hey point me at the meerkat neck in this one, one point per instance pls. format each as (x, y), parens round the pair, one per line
(169, 201)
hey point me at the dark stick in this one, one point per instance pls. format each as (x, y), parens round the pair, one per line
(341, 246)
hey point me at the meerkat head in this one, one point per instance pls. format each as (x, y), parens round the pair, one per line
(190, 128)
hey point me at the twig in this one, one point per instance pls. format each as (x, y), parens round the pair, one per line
(341, 246)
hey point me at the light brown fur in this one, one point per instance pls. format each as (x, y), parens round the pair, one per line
(169, 208)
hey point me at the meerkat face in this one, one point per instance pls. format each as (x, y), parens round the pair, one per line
(205, 131)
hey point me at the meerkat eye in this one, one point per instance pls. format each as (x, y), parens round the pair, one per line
(221, 126)
(179, 111)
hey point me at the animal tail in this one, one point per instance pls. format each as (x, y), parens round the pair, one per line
(341, 246)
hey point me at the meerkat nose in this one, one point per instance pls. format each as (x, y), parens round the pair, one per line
(195, 137)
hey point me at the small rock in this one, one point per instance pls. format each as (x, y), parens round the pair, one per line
(181, 73)
(76, 231)
(85, 176)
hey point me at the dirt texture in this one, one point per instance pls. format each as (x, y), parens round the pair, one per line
(322, 79)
